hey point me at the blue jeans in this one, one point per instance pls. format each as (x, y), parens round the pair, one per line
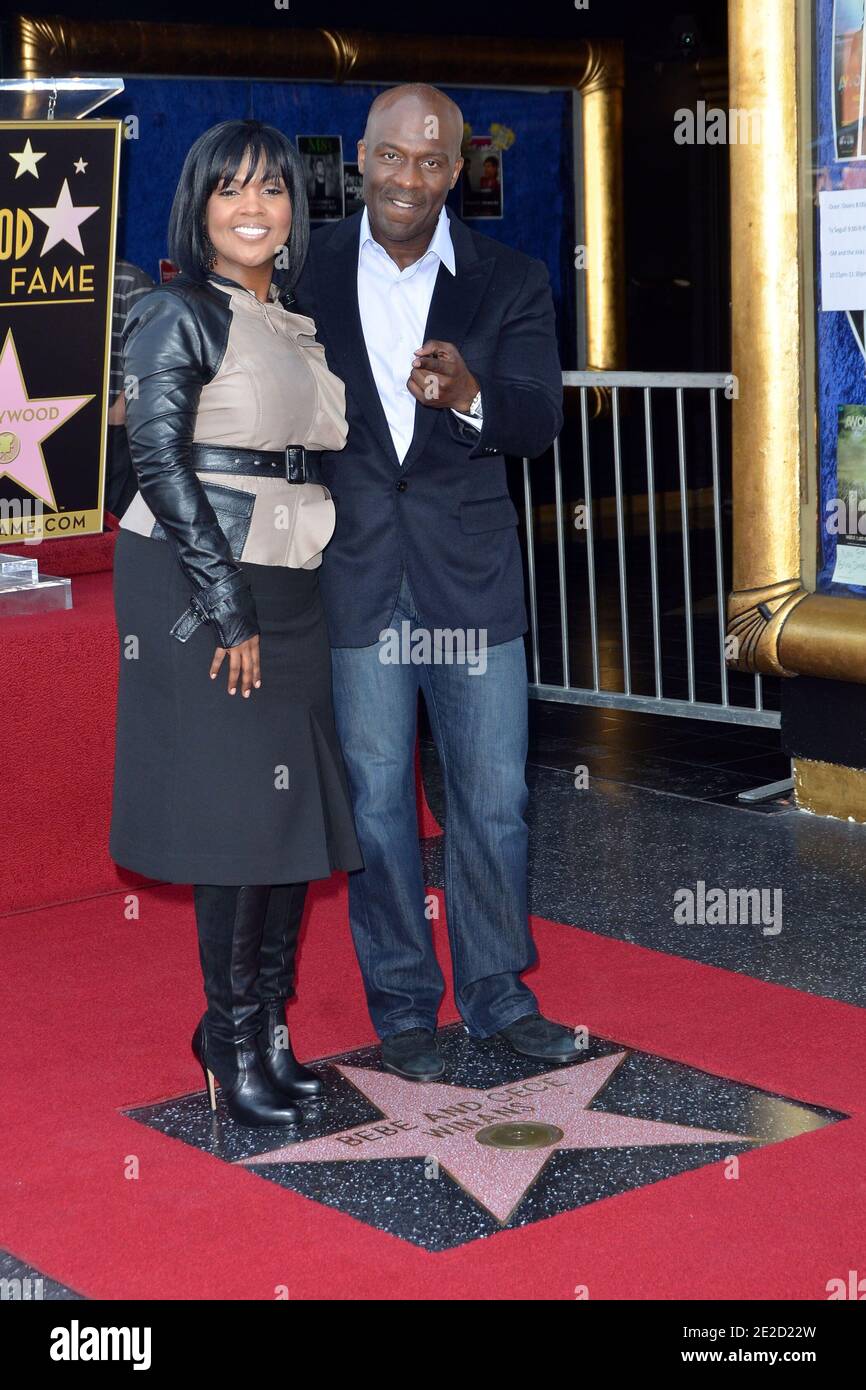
(479, 720)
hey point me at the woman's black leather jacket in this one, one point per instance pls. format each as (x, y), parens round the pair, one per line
(173, 343)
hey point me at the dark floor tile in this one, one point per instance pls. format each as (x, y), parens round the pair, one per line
(648, 766)
(774, 767)
(719, 749)
(611, 857)
(663, 775)
(601, 742)
(628, 732)
(777, 806)
(638, 736)
(553, 726)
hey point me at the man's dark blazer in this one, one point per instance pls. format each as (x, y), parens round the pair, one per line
(445, 514)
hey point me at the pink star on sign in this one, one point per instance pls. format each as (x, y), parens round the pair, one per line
(26, 423)
(63, 221)
(442, 1122)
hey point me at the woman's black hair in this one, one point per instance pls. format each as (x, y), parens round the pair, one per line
(212, 162)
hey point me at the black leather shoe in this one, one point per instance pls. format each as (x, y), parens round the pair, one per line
(536, 1036)
(413, 1054)
(281, 1065)
(250, 1097)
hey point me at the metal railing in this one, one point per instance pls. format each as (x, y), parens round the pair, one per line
(598, 694)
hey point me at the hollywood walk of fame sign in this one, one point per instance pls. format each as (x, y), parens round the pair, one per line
(58, 196)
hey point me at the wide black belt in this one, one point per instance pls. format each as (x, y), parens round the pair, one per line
(289, 463)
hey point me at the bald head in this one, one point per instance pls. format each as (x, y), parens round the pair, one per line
(437, 110)
(409, 159)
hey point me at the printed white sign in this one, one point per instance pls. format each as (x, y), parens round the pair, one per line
(843, 249)
(850, 567)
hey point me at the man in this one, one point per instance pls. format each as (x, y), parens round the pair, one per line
(445, 341)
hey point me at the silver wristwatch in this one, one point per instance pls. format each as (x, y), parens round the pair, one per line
(475, 407)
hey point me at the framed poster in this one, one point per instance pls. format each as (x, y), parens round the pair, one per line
(322, 158)
(353, 184)
(836, 175)
(481, 187)
(58, 194)
(847, 59)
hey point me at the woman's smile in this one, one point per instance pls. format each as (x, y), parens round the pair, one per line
(251, 233)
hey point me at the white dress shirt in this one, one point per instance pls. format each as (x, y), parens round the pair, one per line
(394, 305)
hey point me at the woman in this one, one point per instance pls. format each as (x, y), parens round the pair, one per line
(228, 770)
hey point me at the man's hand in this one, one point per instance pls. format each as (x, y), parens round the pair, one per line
(244, 665)
(441, 378)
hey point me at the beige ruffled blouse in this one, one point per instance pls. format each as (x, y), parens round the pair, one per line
(273, 388)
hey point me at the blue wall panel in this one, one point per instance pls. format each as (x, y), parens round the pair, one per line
(538, 173)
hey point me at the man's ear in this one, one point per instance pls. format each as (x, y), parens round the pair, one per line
(457, 167)
(362, 153)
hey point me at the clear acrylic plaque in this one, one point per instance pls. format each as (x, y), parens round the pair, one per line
(55, 98)
(16, 570)
(47, 594)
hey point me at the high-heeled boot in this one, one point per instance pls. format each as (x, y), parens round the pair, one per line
(276, 985)
(230, 922)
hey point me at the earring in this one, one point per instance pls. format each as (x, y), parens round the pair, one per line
(209, 249)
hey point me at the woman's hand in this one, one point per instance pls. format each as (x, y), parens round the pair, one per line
(244, 662)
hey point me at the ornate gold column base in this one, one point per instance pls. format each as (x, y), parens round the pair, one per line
(756, 618)
(828, 789)
(784, 631)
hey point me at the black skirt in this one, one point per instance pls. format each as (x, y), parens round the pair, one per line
(211, 787)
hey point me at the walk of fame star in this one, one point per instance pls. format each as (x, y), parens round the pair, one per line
(63, 221)
(26, 422)
(443, 1122)
(415, 1160)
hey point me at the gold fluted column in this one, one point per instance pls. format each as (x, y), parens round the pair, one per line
(603, 203)
(766, 329)
(782, 627)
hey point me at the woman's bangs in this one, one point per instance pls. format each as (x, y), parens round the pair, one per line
(249, 152)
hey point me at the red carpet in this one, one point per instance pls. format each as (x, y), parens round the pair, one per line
(58, 686)
(100, 1009)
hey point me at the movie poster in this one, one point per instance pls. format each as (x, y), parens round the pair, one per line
(353, 182)
(322, 158)
(846, 514)
(848, 88)
(58, 192)
(481, 178)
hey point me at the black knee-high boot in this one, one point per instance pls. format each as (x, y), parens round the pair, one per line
(230, 923)
(275, 985)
